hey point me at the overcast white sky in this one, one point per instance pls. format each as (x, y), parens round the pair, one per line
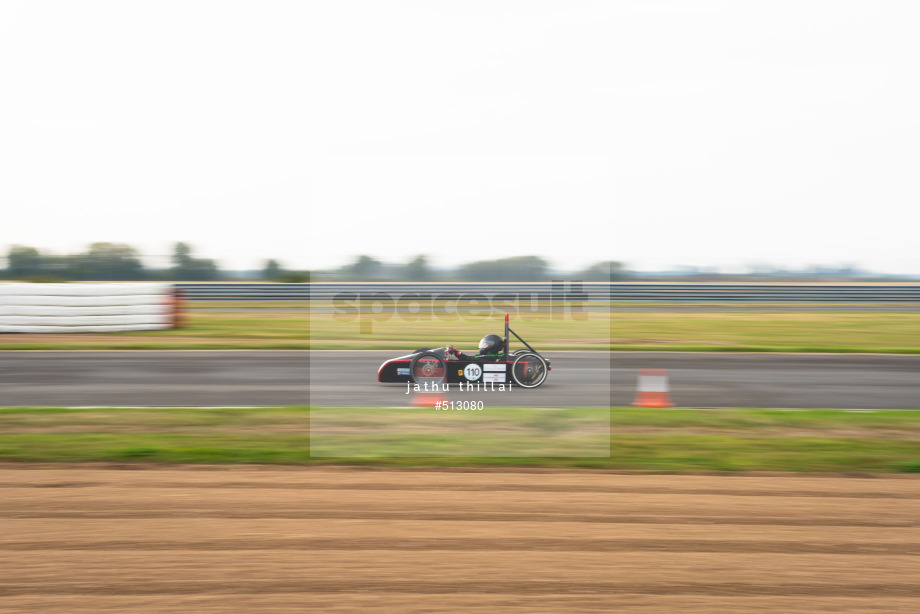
(659, 133)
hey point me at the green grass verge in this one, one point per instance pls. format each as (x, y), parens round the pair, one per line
(749, 331)
(656, 440)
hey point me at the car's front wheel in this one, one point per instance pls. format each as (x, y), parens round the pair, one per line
(529, 370)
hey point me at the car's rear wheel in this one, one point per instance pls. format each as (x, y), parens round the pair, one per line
(427, 368)
(529, 370)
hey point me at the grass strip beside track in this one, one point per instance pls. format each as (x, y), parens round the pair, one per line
(656, 440)
(748, 331)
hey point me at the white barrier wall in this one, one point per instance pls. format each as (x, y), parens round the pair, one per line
(85, 308)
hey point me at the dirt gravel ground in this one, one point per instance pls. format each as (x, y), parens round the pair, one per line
(278, 539)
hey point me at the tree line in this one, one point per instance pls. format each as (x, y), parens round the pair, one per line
(105, 262)
(517, 269)
(121, 262)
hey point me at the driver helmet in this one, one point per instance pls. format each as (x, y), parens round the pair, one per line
(491, 344)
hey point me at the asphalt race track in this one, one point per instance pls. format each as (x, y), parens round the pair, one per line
(338, 378)
(154, 378)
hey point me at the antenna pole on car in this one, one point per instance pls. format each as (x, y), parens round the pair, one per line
(507, 327)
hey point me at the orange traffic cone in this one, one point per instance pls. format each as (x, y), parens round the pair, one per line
(427, 399)
(653, 389)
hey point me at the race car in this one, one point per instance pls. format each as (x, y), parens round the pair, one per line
(524, 367)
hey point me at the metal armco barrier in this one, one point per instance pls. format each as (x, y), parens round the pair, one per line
(575, 291)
